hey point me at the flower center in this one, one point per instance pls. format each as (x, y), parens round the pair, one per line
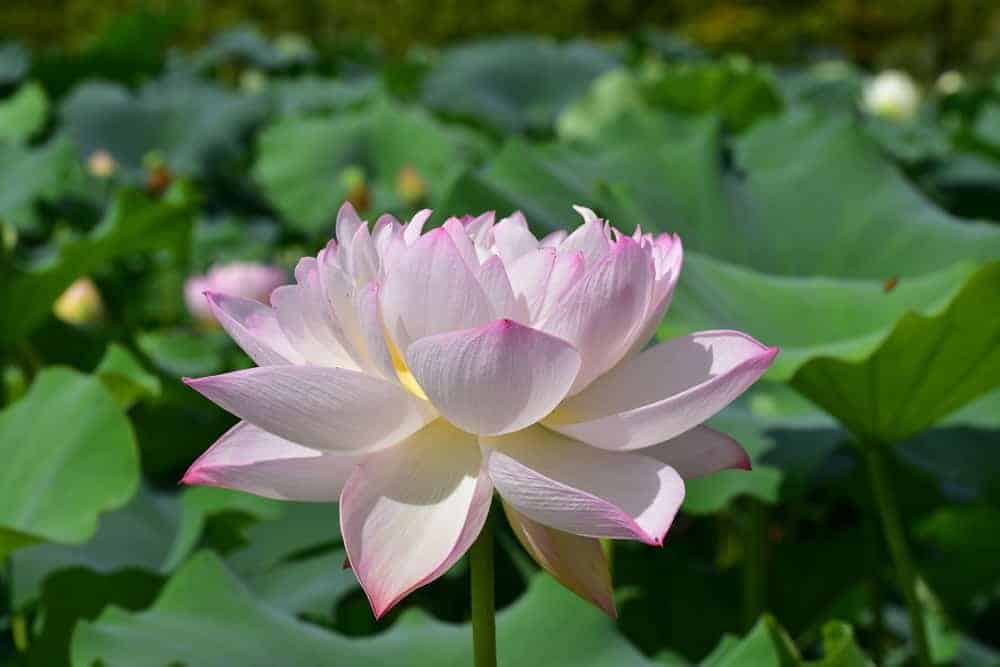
(403, 371)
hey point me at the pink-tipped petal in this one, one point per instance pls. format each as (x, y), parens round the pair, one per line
(583, 490)
(249, 459)
(699, 452)
(602, 309)
(431, 290)
(255, 329)
(664, 391)
(578, 563)
(409, 513)
(494, 379)
(330, 409)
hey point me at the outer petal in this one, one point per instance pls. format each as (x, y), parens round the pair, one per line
(600, 312)
(409, 513)
(319, 407)
(249, 459)
(430, 289)
(255, 328)
(700, 451)
(494, 379)
(575, 488)
(664, 391)
(578, 563)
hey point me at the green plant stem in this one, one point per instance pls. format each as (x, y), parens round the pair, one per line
(892, 526)
(484, 630)
(755, 562)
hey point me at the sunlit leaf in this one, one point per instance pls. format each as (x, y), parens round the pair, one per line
(69, 455)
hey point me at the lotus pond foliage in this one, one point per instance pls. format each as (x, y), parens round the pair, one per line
(849, 218)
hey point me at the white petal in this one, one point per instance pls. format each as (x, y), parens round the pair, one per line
(494, 379)
(319, 407)
(370, 318)
(603, 308)
(578, 563)
(415, 226)
(430, 289)
(699, 452)
(409, 513)
(496, 285)
(582, 490)
(255, 329)
(664, 391)
(249, 459)
(512, 238)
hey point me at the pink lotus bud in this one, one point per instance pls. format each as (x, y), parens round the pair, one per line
(240, 279)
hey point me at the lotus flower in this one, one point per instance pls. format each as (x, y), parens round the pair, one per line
(892, 94)
(239, 279)
(410, 375)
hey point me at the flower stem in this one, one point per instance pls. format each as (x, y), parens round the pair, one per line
(892, 526)
(484, 630)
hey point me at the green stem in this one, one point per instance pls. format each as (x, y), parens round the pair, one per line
(755, 562)
(484, 630)
(892, 526)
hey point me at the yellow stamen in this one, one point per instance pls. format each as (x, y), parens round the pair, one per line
(403, 371)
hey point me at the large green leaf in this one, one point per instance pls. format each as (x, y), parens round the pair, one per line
(809, 195)
(134, 223)
(23, 114)
(304, 164)
(514, 83)
(813, 242)
(206, 617)
(137, 536)
(767, 645)
(926, 368)
(69, 454)
(30, 175)
(192, 124)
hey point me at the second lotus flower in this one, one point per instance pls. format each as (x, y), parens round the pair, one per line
(409, 375)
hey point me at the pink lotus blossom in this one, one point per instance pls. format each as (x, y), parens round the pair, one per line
(247, 280)
(410, 375)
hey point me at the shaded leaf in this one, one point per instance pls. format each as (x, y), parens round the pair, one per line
(204, 616)
(134, 223)
(515, 84)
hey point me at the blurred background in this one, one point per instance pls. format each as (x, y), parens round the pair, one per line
(833, 168)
